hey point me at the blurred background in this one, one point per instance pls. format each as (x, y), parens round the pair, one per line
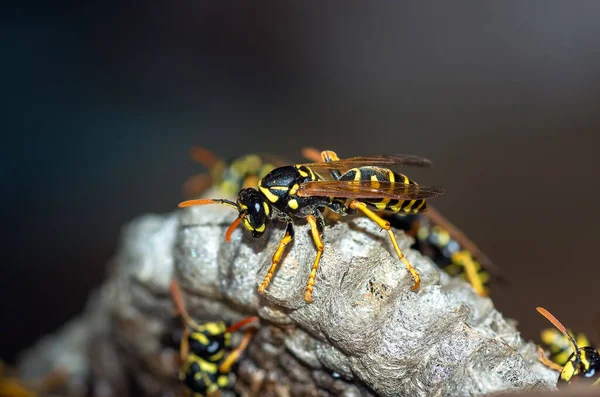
(103, 102)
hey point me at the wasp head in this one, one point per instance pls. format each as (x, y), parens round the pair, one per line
(254, 210)
(584, 364)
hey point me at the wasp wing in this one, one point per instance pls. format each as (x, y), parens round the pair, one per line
(368, 190)
(407, 160)
(438, 219)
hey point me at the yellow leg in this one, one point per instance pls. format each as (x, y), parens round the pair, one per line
(548, 363)
(357, 205)
(464, 259)
(329, 156)
(316, 235)
(289, 236)
(235, 354)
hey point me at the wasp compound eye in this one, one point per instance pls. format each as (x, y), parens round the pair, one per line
(256, 211)
(257, 214)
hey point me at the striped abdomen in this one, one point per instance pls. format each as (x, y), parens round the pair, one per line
(449, 254)
(377, 174)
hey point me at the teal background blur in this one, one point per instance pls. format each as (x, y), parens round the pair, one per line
(102, 102)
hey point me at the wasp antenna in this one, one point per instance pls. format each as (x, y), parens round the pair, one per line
(242, 323)
(312, 154)
(191, 203)
(232, 227)
(560, 327)
(179, 304)
(204, 156)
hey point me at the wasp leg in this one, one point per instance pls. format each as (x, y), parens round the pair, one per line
(464, 259)
(326, 156)
(185, 318)
(235, 354)
(198, 184)
(548, 363)
(289, 236)
(329, 156)
(204, 156)
(242, 323)
(175, 290)
(312, 154)
(316, 223)
(357, 205)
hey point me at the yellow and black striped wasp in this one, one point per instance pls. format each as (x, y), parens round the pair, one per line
(582, 364)
(440, 240)
(205, 350)
(228, 177)
(347, 186)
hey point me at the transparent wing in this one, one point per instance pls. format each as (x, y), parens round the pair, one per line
(368, 189)
(406, 160)
(438, 219)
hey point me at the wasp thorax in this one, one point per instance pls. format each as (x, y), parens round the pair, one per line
(255, 211)
(208, 341)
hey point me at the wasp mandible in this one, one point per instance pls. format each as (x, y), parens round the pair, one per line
(344, 186)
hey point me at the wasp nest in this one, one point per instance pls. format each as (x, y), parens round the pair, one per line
(365, 334)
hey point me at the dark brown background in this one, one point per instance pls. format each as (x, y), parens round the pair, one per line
(102, 103)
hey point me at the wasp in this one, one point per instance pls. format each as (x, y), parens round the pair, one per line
(205, 350)
(582, 364)
(228, 176)
(440, 240)
(347, 186)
